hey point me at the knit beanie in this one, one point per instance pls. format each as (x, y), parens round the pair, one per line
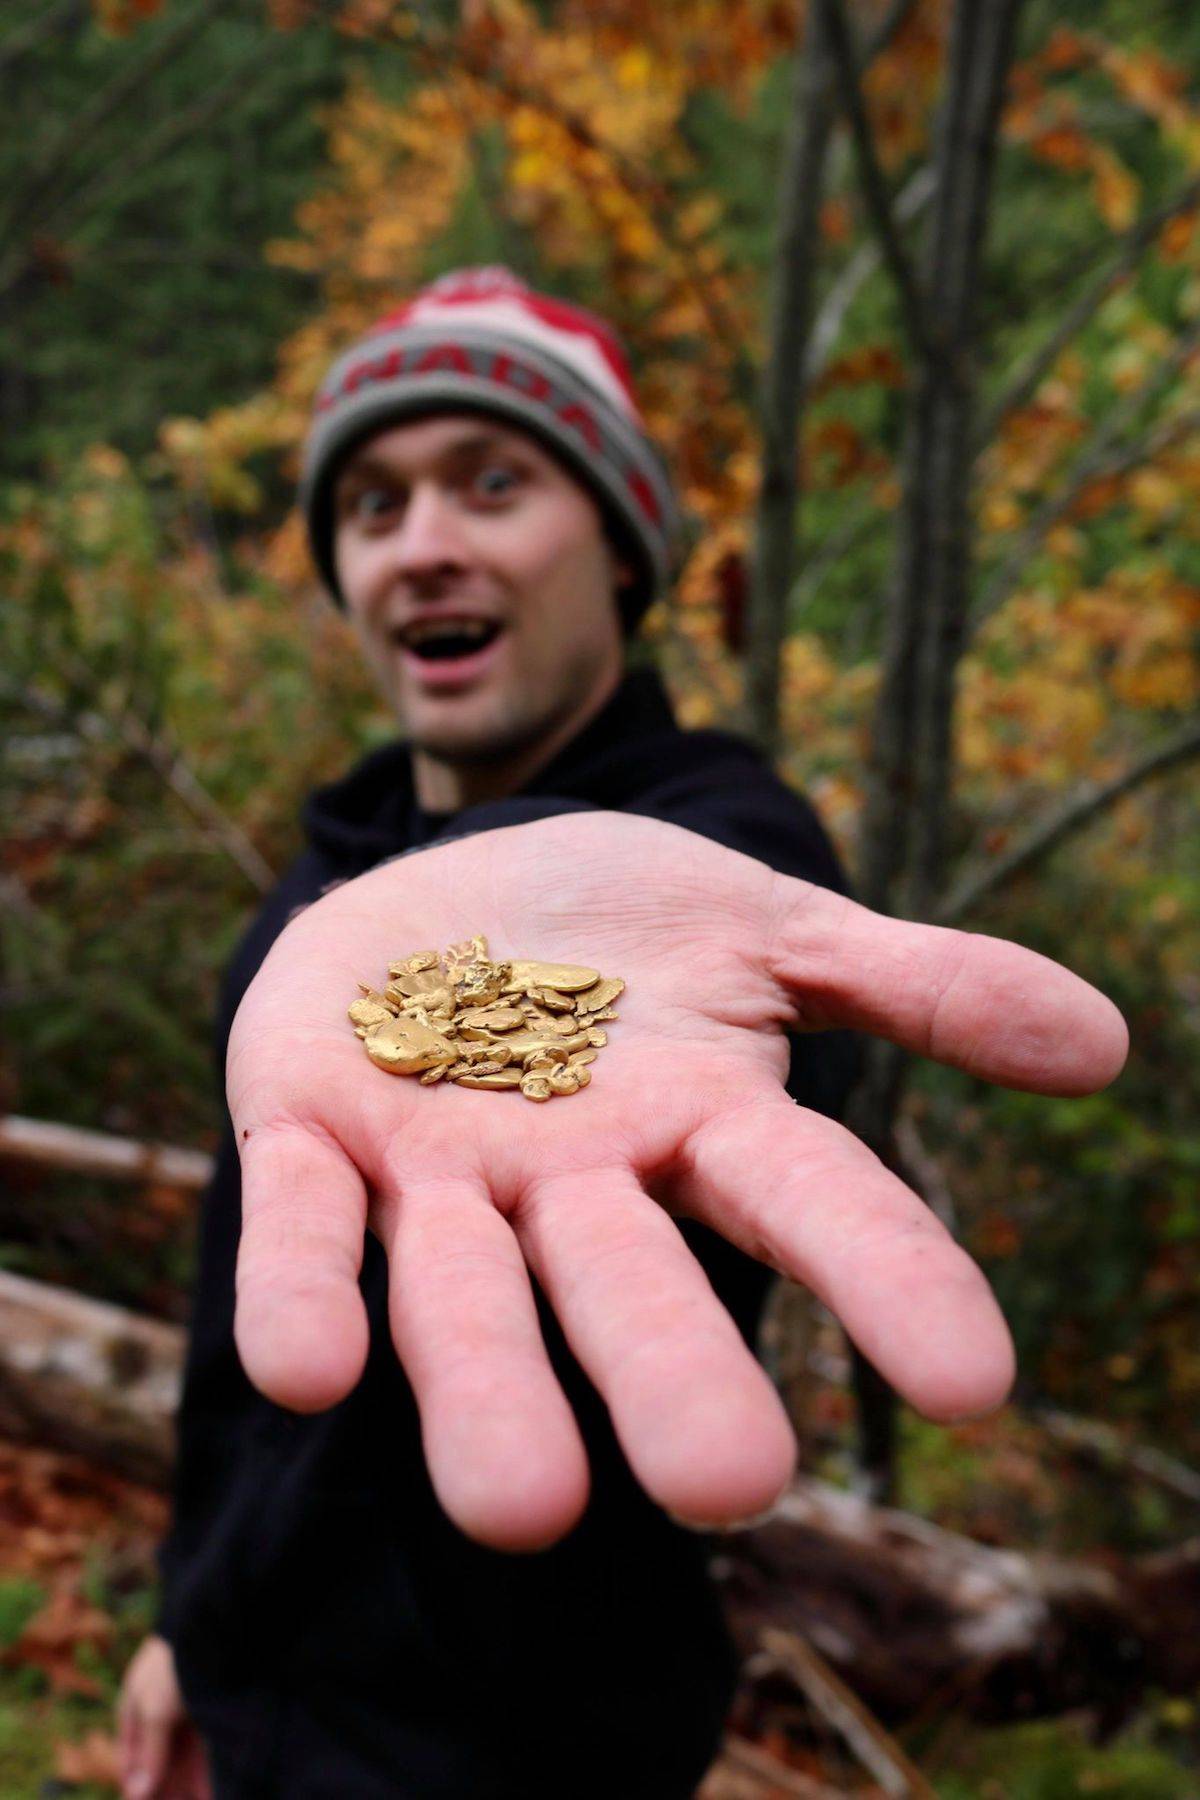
(481, 340)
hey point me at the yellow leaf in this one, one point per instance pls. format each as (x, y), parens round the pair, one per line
(1116, 189)
(1002, 513)
(634, 68)
(1154, 492)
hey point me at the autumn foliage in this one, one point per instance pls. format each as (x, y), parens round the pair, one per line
(162, 614)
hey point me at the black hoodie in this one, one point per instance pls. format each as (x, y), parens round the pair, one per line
(336, 1636)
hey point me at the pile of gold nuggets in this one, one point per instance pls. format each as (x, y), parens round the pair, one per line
(460, 1017)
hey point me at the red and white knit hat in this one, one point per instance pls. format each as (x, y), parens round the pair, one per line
(481, 340)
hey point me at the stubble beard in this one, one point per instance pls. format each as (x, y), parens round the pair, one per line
(514, 726)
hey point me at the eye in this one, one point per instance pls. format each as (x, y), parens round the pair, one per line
(372, 502)
(487, 484)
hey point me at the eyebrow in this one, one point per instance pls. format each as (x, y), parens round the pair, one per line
(458, 450)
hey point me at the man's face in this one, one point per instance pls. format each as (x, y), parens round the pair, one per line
(460, 520)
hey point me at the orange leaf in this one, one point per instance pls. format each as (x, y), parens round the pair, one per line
(1175, 238)
(1066, 49)
(1116, 189)
(836, 220)
(93, 1758)
(1063, 145)
(51, 1638)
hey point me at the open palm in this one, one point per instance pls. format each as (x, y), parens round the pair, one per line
(686, 1115)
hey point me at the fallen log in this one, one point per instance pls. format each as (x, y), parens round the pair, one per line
(913, 1618)
(918, 1620)
(85, 1376)
(47, 1145)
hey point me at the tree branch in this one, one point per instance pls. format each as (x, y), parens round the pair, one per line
(31, 204)
(42, 25)
(875, 192)
(1097, 463)
(781, 395)
(150, 147)
(166, 760)
(912, 199)
(786, 377)
(984, 878)
(1108, 1446)
(1032, 372)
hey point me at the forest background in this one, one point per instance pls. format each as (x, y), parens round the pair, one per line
(202, 202)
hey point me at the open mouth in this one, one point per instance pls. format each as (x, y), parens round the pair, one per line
(448, 639)
(440, 652)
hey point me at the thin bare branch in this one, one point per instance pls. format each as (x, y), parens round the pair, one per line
(150, 147)
(912, 199)
(169, 762)
(875, 1748)
(829, 552)
(879, 202)
(887, 28)
(1129, 250)
(1100, 461)
(981, 880)
(36, 29)
(1107, 1445)
(165, 758)
(33, 199)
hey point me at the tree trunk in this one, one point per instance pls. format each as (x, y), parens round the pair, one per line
(783, 387)
(909, 774)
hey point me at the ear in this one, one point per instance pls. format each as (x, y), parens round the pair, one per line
(624, 571)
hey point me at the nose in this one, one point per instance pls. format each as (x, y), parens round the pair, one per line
(429, 541)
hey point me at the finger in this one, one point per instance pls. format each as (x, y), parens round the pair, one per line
(149, 1749)
(700, 1424)
(978, 1003)
(501, 1443)
(805, 1196)
(300, 1324)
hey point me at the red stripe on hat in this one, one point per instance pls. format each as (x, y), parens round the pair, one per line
(643, 493)
(581, 418)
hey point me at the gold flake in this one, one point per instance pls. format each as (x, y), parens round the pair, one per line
(566, 977)
(496, 1078)
(553, 1001)
(369, 1012)
(603, 993)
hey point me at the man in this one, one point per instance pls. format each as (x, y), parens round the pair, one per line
(461, 1367)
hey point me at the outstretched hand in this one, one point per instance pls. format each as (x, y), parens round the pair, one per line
(686, 1116)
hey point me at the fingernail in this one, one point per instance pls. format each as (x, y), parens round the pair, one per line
(725, 1526)
(138, 1785)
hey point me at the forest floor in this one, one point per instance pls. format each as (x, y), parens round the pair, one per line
(77, 1595)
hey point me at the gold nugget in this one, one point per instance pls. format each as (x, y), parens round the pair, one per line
(461, 1017)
